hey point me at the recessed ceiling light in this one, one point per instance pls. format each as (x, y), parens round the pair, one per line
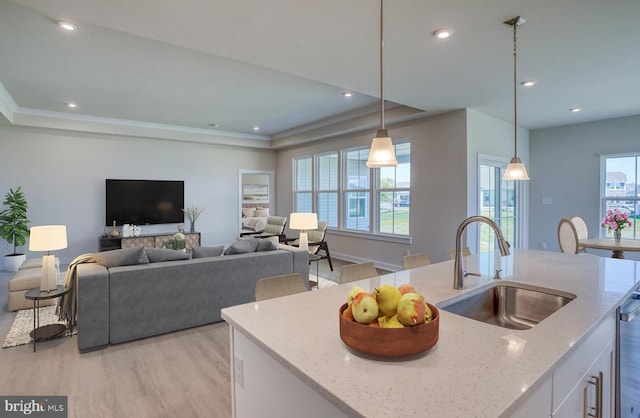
(68, 26)
(529, 83)
(72, 105)
(256, 128)
(575, 109)
(442, 33)
(347, 94)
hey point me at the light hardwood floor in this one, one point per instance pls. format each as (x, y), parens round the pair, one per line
(182, 374)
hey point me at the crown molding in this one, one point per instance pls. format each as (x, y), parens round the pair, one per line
(36, 118)
(7, 105)
(358, 121)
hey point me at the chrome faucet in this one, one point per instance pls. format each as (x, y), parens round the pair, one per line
(459, 272)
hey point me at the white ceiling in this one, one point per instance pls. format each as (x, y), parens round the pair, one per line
(283, 64)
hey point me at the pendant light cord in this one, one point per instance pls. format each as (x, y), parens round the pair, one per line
(381, 67)
(515, 98)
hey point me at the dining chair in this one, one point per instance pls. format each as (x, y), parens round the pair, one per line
(465, 252)
(276, 286)
(412, 261)
(581, 229)
(353, 272)
(568, 237)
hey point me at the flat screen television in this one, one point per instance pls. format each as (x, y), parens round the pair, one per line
(144, 202)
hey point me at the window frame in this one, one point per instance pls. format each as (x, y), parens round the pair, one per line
(378, 189)
(634, 199)
(296, 190)
(371, 204)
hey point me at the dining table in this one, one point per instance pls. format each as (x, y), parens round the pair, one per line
(617, 248)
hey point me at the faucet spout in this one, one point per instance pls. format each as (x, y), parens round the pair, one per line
(459, 272)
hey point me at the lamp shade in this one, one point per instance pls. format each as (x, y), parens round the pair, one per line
(382, 153)
(516, 170)
(48, 238)
(303, 221)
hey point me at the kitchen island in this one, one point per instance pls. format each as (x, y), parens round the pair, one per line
(288, 359)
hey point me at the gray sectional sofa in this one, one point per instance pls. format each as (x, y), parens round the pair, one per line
(124, 303)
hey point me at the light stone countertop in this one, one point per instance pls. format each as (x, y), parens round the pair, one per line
(475, 369)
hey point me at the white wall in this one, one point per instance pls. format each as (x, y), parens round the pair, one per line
(438, 197)
(565, 166)
(63, 174)
(490, 136)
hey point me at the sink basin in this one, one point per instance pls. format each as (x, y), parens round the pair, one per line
(509, 305)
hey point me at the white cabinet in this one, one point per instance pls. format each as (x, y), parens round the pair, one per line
(592, 396)
(592, 393)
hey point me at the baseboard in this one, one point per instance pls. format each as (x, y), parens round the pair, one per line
(378, 264)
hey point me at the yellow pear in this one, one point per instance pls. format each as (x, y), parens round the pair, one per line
(388, 297)
(364, 308)
(411, 309)
(392, 322)
(353, 292)
(428, 315)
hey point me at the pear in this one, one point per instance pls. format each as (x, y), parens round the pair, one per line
(428, 315)
(364, 308)
(353, 292)
(392, 322)
(407, 288)
(347, 313)
(387, 297)
(411, 309)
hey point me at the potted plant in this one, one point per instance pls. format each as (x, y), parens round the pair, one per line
(13, 226)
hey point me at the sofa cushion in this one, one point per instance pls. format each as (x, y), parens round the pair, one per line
(202, 252)
(157, 255)
(122, 257)
(243, 246)
(35, 263)
(268, 244)
(25, 279)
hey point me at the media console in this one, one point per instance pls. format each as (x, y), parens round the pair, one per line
(192, 239)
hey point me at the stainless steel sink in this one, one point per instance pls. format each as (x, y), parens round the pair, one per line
(509, 305)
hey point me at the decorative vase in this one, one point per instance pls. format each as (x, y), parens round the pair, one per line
(617, 234)
(114, 232)
(193, 226)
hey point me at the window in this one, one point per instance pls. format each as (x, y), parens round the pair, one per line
(394, 193)
(357, 190)
(619, 190)
(349, 196)
(303, 184)
(497, 202)
(327, 189)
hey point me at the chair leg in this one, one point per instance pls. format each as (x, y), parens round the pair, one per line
(325, 247)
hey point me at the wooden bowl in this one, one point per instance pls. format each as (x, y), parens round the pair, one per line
(390, 342)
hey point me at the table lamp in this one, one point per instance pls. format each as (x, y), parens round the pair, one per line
(303, 222)
(48, 238)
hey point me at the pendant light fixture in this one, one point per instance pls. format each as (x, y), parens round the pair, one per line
(382, 153)
(516, 169)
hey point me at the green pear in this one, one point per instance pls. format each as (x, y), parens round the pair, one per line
(364, 308)
(411, 309)
(388, 297)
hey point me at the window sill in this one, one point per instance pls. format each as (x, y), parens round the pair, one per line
(370, 236)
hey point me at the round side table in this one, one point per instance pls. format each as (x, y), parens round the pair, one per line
(46, 332)
(315, 258)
